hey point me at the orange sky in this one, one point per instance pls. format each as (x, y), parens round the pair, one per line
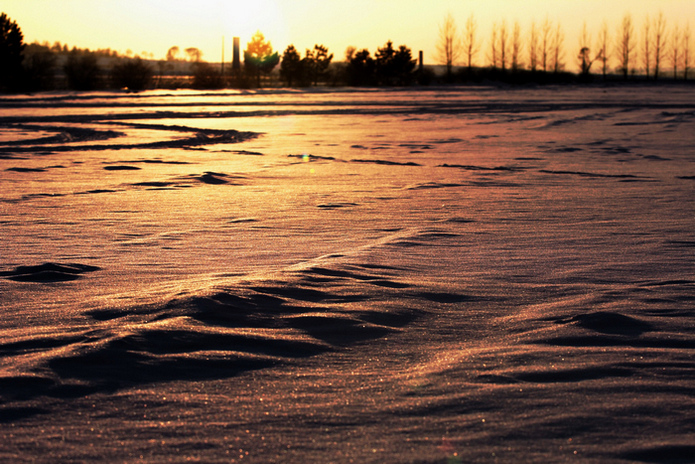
(153, 26)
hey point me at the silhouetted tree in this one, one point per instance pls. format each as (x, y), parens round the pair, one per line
(360, 69)
(11, 50)
(533, 47)
(625, 45)
(314, 66)
(321, 60)
(516, 47)
(194, 54)
(82, 70)
(545, 49)
(646, 45)
(584, 57)
(557, 49)
(686, 51)
(659, 42)
(503, 44)
(603, 48)
(132, 74)
(493, 47)
(291, 66)
(675, 50)
(394, 67)
(173, 53)
(259, 57)
(470, 41)
(449, 46)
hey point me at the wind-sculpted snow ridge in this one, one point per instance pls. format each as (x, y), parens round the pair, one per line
(48, 272)
(72, 139)
(251, 325)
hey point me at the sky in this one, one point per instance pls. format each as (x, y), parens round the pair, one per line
(153, 26)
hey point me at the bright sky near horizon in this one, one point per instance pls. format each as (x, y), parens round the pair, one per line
(153, 26)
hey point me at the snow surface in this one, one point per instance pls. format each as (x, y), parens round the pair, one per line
(412, 276)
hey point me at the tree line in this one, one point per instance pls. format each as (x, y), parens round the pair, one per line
(510, 54)
(656, 50)
(43, 66)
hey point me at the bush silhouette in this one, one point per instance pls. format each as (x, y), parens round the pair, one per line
(205, 76)
(132, 75)
(82, 71)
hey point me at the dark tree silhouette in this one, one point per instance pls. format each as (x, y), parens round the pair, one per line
(291, 66)
(533, 47)
(659, 43)
(394, 67)
(503, 44)
(11, 53)
(603, 48)
(361, 67)
(675, 50)
(317, 62)
(259, 57)
(545, 43)
(516, 48)
(686, 51)
(470, 42)
(557, 49)
(625, 45)
(584, 57)
(646, 46)
(131, 74)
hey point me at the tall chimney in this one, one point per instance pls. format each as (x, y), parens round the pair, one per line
(236, 62)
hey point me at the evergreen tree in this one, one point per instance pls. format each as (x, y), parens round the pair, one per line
(291, 66)
(259, 57)
(11, 53)
(361, 67)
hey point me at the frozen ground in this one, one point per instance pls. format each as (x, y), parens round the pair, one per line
(470, 275)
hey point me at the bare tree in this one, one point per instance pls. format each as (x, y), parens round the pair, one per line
(470, 42)
(516, 47)
(493, 47)
(626, 45)
(449, 47)
(584, 57)
(659, 42)
(533, 47)
(557, 50)
(603, 48)
(646, 45)
(194, 54)
(675, 50)
(173, 53)
(503, 45)
(546, 31)
(686, 50)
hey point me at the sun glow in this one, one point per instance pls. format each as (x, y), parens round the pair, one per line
(242, 19)
(153, 26)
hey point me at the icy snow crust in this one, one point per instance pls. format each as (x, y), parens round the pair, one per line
(418, 276)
